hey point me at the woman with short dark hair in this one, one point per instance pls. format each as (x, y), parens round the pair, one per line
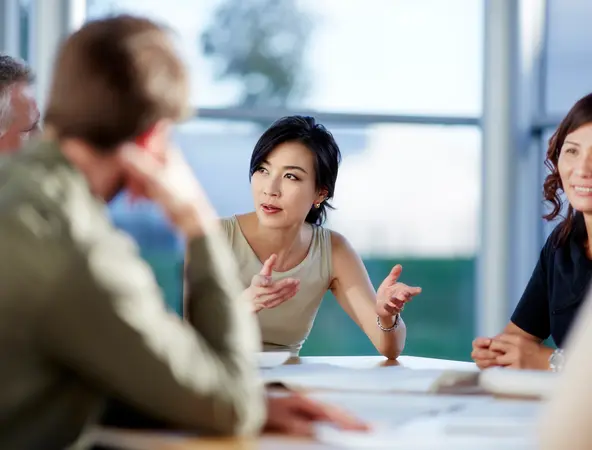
(289, 260)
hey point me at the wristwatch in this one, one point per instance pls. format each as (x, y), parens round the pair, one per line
(395, 325)
(556, 360)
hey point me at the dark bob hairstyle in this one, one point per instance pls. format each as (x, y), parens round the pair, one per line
(580, 114)
(318, 140)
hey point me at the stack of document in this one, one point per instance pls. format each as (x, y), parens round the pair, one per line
(377, 379)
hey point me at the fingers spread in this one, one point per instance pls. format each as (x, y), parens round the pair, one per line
(275, 287)
(286, 282)
(403, 292)
(279, 298)
(278, 293)
(268, 286)
(400, 295)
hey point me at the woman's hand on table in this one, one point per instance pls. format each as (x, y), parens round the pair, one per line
(265, 293)
(297, 415)
(519, 352)
(512, 351)
(483, 356)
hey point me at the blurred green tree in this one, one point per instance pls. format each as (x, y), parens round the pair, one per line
(261, 44)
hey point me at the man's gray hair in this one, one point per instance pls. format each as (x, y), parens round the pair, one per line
(12, 70)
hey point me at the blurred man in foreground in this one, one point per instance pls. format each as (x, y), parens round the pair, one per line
(81, 317)
(19, 116)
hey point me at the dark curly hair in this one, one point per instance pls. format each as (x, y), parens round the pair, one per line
(579, 115)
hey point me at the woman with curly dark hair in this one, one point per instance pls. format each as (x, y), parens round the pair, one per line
(559, 283)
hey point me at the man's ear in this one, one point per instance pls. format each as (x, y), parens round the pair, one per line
(157, 131)
(155, 140)
(143, 140)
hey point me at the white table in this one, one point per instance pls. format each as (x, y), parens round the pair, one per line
(132, 440)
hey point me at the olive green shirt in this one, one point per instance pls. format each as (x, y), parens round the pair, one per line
(82, 319)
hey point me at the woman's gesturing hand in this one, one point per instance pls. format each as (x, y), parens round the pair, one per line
(265, 293)
(392, 296)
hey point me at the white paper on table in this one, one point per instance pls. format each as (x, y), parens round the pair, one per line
(533, 383)
(394, 410)
(496, 416)
(377, 379)
(424, 434)
(433, 421)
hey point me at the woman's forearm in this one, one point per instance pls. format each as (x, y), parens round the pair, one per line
(389, 343)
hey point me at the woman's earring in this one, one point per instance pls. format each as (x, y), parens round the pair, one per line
(317, 205)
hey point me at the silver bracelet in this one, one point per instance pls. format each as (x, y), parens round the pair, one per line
(393, 328)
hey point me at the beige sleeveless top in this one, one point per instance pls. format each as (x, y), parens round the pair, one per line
(287, 326)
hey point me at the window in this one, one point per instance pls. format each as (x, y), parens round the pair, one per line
(410, 195)
(569, 62)
(417, 187)
(24, 15)
(393, 57)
